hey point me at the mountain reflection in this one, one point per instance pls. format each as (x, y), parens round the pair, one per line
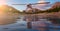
(7, 19)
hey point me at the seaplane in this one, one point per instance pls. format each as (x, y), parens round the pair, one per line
(29, 6)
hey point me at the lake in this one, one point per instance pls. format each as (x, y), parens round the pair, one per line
(21, 25)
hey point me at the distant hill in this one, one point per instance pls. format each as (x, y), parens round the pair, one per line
(7, 8)
(54, 8)
(57, 4)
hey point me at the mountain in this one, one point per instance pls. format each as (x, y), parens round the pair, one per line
(57, 4)
(53, 11)
(7, 8)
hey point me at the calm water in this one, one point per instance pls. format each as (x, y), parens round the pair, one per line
(21, 24)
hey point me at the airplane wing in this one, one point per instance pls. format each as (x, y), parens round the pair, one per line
(32, 3)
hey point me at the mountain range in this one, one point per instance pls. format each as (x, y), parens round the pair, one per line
(11, 9)
(7, 8)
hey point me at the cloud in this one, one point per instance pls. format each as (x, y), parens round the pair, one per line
(42, 6)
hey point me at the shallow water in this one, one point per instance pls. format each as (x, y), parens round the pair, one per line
(21, 24)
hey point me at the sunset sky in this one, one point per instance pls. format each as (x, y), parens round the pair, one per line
(10, 2)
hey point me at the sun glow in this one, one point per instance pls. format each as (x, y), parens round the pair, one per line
(2, 2)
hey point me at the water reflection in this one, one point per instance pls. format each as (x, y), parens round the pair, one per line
(17, 25)
(36, 22)
(40, 22)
